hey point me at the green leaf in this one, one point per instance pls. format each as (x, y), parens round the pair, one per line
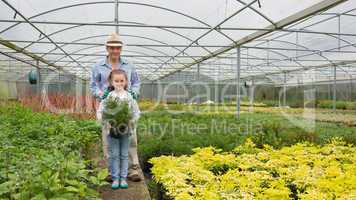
(65, 196)
(40, 196)
(71, 189)
(73, 182)
(5, 187)
(103, 174)
(94, 180)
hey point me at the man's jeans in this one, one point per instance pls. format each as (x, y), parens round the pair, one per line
(133, 161)
(118, 156)
(104, 135)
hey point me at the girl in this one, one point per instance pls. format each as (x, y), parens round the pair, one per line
(119, 144)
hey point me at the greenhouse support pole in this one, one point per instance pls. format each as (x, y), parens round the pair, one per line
(329, 92)
(117, 16)
(59, 81)
(78, 94)
(238, 50)
(252, 95)
(351, 89)
(339, 31)
(334, 90)
(8, 88)
(284, 89)
(8, 91)
(177, 97)
(152, 91)
(197, 90)
(38, 78)
(219, 86)
(216, 90)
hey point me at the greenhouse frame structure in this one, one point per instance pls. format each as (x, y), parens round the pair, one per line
(256, 42)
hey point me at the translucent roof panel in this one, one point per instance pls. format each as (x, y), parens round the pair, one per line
(165, 37)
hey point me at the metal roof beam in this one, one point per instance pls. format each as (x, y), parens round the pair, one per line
(27, 53)
(179, 45)
(174, 27)
(319, 7)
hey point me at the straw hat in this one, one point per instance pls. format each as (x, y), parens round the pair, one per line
(114, 40)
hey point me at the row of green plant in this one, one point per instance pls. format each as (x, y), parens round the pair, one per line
(342, 105)
(163, 133)
(302, 171)
(327, 104)
(42, 156)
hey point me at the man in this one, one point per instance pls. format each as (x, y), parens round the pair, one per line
(99, 84)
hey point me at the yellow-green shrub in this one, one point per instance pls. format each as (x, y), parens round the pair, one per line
(303, 171)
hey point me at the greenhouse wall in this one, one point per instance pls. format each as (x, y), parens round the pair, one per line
(187, 93)
(296, 96)
(8, 90)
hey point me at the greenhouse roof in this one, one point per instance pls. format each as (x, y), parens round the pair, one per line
(294, 40)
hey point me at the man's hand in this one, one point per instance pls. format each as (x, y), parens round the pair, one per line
(100, 94)
(105, 94)
(133, 94)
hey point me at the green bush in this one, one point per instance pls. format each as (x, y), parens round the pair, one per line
(325, 104)
(271, 103)
(40, 156)
(351, 106)
(163, 133)
(342, 105)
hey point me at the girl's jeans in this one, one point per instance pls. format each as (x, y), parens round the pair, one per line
(118, 156)
(133, 158)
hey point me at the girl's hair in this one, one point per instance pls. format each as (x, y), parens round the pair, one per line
(111, 75)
